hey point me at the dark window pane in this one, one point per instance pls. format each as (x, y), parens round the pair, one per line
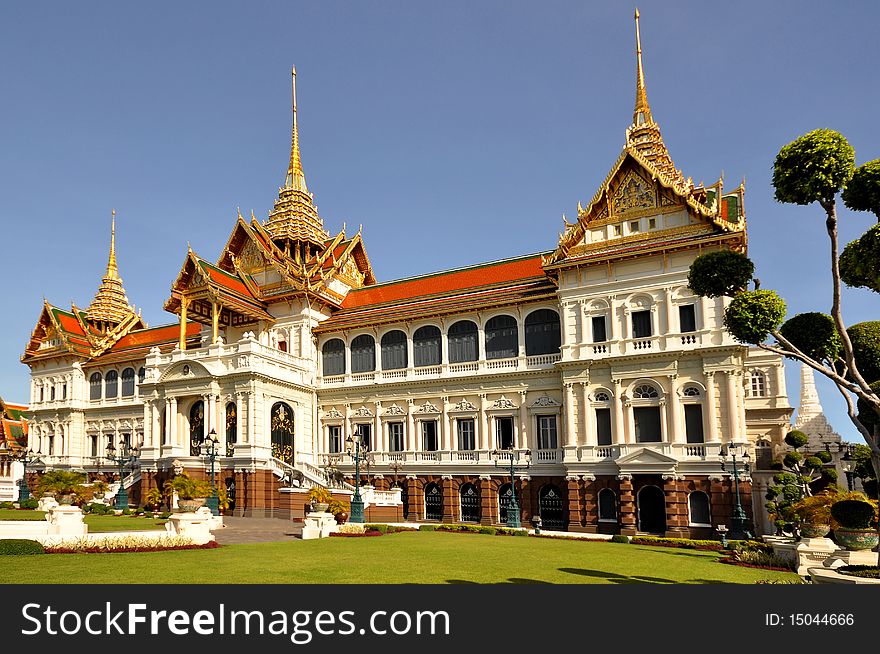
(363, 354)
(547, 433)
(687, 318)
(333, 357)
(501, 338)
(466, 440)
(647, 423)
(429, 436)
(395, 436)
(603, 426)
(462, 342)
(111, 384)
(542, 332)
(426, 346)
(128, 382)
(699, 506)
(641, 324)
(394, 350)
(504, 433)
(607, 505)
(693, 422)
(364, 432)
(599, 334)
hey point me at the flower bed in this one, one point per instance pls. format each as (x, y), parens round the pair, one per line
(363, 534)
(127, 544)
(729, 560)
(862, 571)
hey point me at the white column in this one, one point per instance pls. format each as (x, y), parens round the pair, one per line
(588, 435)
(670, 322)
(732, 409)
(484, 424)
(173, 435)
(712, 408)
(148, 425)
(583, 318)
(570, 431)
(618, 435)
(379, 433)
(348, 426)
(564, 319)
(212, 409)
(521, 337)
(410, 361)
(523, 439)
(664, 422)
(249, 432)
(410, 428)
(444, 424)
(630, 422)
(481, 342)
(678, 434)
(778, 381)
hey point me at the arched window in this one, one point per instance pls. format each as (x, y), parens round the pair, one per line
(333, 357)
(542, 332)
(698, 509)
(470, 503)
(426, 346)
(282, 432)
(646, 419)
(111, 385)
(95, 386)
(607, 505)
(128, 382)
(651, 509)
(693, 415)
(757, 384)
(462, 338)
(363, 354)
(645, 391)
(433, 502)
(142, 374)
(231, 429)
(394, 350)
(501, 338)
(196, 428)
(504, 495)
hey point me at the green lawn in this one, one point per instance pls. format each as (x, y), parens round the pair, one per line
(97, 523)
(405, 558)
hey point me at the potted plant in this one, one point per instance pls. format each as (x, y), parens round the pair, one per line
(339, 509)
(191, 493)
(64, 485)
(153, 499)
(99, 489)
(814, 514)
(320, 498)
(856, 524)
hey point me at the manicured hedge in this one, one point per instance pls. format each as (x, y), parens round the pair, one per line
(685, 543)
(20, 546)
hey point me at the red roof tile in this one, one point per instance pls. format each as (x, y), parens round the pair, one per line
(155, 336)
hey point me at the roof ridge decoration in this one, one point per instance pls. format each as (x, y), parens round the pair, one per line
(294, 218)
(110, 306)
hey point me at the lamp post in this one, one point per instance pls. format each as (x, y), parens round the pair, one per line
(26, 457)
(513, 519)
(211, 452)
(354, 447)
(127, 457)
(846, 463)
(739, 523)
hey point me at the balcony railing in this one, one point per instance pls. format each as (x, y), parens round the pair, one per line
(681, 451)
(536, 362)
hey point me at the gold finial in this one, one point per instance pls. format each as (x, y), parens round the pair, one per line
(642, 112)
(295, 176)
(112, 269)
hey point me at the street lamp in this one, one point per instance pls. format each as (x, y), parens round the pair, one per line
(511, 455)
(354, 447)
(26, 457)
(127, 457)
(739, 524)
(211, 451)
(846, 462)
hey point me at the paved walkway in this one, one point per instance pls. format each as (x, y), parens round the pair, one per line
(256, 530)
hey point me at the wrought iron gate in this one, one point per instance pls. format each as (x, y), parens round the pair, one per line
(470, 503)
(433, 502)
(550, 508)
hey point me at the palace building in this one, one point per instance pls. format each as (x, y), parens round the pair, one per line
(594, 357)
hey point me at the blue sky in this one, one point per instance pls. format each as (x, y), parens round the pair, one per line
(455, 132)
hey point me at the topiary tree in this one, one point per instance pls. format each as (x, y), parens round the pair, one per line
(795, 482)
(816, 168)
(724, 272)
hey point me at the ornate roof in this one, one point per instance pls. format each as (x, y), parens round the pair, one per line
(110, 306)
(13, 426)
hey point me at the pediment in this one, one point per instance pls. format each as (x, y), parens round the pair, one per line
(185, 371)
(646, 460)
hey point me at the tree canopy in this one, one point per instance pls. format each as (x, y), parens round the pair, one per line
(862, 193)
(813, 168)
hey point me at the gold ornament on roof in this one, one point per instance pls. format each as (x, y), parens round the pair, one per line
(110, 306)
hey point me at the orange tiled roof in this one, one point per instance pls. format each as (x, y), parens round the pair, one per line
(135, 345)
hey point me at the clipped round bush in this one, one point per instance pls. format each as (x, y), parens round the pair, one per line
(752, 315)
(720, 273)
(814, 334)
(858, 261)
(830, 474)
(619, 538)
(20, 547)
(853, 514)
(823, 456)
(796, 438)
(867, 414)
(813, 168)
(865, 337)
(813, 462)
(792, 459)
(862, 192)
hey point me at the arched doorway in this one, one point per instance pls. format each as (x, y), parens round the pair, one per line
(433, 502)
(651, 505)
(196, 428)
(282, 432)
(230, 493)
(231, 429)
(470, 503)
(550, 507)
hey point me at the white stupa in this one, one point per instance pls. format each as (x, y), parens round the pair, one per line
(810, 418)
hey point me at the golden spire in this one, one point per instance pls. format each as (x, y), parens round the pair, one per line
(110, 306)
(642, 112)
(294, 218)
(643, 136)
(295, 176)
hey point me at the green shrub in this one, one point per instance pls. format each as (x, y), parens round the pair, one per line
(29, 503)
(165, 515)
(752, 315)
(853, 514)
(686, 543)
(720, 273)
(488, 530)
(520, 532)
(20, 546)
(427, 527)
(126, 511)
(864, 571)
(382, 529)
(97, 508)
(7, 505)
(764, 559)
(620, 538)
(796, 439)
(814, 334)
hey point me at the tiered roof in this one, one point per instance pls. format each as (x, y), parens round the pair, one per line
(13, 426)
